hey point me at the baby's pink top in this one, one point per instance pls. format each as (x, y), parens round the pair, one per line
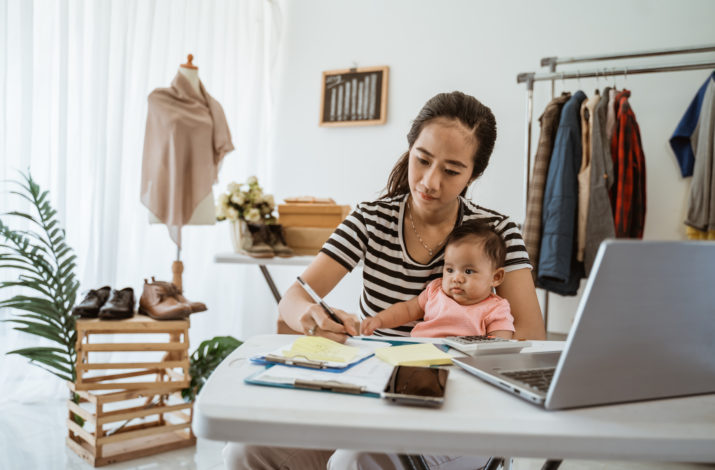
(445, 317)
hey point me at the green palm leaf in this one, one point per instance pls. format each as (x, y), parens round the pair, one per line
(46, 277)
(204, 360)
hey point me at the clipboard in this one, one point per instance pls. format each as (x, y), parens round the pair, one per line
(367, 378)
(366, 349)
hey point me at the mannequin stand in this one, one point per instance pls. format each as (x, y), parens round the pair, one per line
(177, 268)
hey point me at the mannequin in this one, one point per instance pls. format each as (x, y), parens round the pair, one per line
(186, 139)
(205, 212)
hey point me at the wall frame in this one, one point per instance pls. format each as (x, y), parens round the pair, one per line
(354, 97)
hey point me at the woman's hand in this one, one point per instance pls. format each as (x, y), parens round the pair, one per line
(315, 322)
(369, 325)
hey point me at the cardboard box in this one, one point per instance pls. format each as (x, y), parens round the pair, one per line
(311, 215)
(306, 240)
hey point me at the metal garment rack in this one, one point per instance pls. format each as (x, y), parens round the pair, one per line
(552, 62)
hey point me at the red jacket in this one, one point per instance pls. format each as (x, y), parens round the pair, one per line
(628, 194)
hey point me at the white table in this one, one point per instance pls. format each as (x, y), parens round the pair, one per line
(476, 419)
(236, 258)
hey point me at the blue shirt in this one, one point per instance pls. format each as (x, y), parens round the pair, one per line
(680, 141)
(560, 201)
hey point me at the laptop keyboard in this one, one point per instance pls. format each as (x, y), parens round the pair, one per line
(539, 379)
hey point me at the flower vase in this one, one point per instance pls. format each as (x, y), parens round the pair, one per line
(238, 228)
(250, 239)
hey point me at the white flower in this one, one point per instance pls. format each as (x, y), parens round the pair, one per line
(223, 199)
(233, 187)
(238, 198)
(220, 212)
(255, 195)
(268, 199)
(231, 214)
(252, 180)
(253, 215)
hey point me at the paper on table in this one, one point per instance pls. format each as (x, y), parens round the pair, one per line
(423, 354)
(317, 348)
(371, 374)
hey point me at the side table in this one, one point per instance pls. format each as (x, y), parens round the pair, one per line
(263, 263)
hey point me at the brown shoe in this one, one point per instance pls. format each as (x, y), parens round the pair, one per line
(119, 306)
(196, 307)
(277, 241)
(92, 302)
(158, 302)
(254, 241)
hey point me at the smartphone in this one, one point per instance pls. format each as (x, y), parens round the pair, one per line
(422, 386)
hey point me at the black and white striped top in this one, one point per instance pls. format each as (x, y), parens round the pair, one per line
(373, 233)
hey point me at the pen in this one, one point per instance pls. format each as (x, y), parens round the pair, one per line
(320, 302)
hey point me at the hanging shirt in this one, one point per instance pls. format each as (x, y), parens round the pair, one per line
(588, 108)
(186, 138)
(558, 268)
(549, 121)
(611, 114)
(701, 203)
(681, 139)
(628, 194)
(599, 221)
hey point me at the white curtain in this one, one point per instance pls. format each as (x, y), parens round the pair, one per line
(74, 78)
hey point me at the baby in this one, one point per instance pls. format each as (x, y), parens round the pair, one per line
(462, 302)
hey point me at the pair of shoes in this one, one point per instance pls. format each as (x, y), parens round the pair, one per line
(264, 241)
(162, 300)
(106, 303)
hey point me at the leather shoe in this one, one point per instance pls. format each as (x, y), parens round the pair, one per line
(196, 307)
(119, 306)
(92, 302)
(158, 302)
(277, 241)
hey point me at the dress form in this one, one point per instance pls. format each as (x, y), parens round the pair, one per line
(205, 212)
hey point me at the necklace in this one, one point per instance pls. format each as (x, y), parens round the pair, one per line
(414, 229)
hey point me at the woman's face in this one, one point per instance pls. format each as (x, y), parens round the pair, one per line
(440, 163)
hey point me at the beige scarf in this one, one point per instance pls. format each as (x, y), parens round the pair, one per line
(186, 138)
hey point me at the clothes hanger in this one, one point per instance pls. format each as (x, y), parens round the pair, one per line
(189, 63)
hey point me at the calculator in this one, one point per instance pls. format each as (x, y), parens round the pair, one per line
(473, 345)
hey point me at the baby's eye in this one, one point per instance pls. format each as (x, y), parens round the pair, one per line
(449, 270)
(468, 271)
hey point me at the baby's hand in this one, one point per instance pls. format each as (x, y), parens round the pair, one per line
(369, 325)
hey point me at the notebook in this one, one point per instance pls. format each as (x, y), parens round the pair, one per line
(422, 354)
(643, 330)
(315, 352)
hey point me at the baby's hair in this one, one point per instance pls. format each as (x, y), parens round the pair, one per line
(493, 244)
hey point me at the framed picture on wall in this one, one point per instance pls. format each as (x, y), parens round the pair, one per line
(354, 97)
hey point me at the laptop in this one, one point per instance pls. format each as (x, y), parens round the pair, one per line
(644, 329)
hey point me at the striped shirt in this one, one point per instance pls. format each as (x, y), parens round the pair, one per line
(373, 233)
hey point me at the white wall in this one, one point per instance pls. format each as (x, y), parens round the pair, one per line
(477, 47)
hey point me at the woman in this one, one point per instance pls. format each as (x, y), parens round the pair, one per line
(400, 240)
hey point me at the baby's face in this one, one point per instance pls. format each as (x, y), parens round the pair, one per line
(468, 274)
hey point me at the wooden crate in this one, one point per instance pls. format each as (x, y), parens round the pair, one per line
(108, 434)
(170, 369)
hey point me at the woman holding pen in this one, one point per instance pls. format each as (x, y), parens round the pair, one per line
(400, 240)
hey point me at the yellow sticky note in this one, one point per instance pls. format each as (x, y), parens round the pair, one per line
(317, 348)
(420, 354)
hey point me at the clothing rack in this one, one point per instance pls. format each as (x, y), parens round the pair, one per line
(552, 62)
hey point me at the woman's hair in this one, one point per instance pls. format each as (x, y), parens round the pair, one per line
(493, 244)
(456, 105)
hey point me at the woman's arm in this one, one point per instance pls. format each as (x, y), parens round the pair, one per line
(518, 288)
(299, 311)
